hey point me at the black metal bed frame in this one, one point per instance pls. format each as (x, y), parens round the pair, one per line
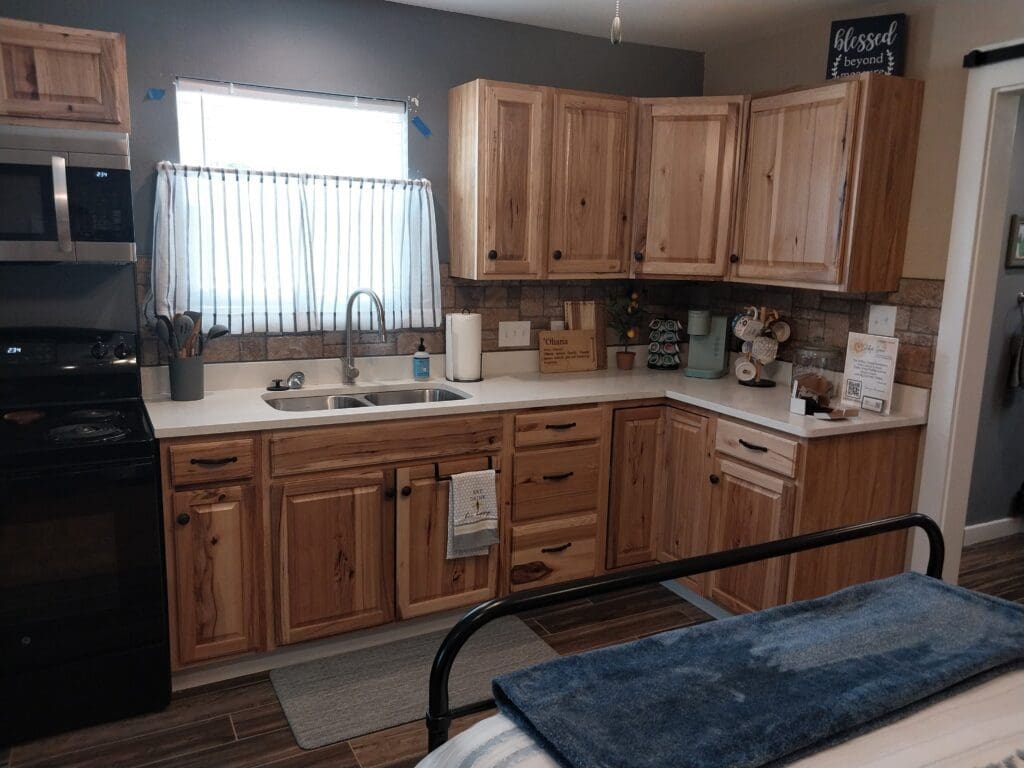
(440, 713)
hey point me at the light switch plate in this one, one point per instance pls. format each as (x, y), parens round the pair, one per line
(514, 333)
(881, 320)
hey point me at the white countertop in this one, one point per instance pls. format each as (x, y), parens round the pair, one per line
(232, 404)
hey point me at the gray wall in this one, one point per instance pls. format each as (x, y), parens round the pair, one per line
(362, 47)
(999, 455)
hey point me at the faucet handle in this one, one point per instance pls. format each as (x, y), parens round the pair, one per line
(296, 380)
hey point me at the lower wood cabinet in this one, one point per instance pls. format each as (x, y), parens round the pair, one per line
(637, 471)
(216, 537)
(427, 580)
(553, 551)
(334, 554)
(748, 507)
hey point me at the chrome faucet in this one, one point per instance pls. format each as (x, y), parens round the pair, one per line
(349, 372)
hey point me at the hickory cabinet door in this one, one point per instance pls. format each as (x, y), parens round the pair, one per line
(591, 184)
(686, 173)
(637, 472)
(795, 185)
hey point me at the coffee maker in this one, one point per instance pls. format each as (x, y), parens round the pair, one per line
(708, 354)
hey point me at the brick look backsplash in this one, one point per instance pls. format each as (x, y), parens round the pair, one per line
(817, 317)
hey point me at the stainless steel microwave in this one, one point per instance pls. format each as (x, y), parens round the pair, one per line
(65, 195)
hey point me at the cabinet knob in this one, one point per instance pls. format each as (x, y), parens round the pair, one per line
(492, 255)
(638, 256)
(184, 518)
(406, 490)
(734, 258)
(715, 479)
(557, 255)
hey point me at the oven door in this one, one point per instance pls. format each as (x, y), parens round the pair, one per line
(34, 218)
(100, 201)
(81, 563)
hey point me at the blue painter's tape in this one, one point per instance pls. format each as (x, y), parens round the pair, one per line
(421, 126)
(155, 94)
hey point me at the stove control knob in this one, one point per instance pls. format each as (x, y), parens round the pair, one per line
(99, 350)
(122, 350)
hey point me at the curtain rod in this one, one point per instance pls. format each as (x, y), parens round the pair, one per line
(979, 57)
(299, 91)
(167, 165)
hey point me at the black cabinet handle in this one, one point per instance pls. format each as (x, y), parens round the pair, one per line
(561, 476)
(554, 550)
(715, 479)
(492, 255)
(557, 255)
(734, 258)
(214, 462)
(638, 256)
(752, 446)
(570, 425)
(184, 518)
(406, 490)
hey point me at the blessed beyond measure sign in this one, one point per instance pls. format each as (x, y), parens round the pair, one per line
(871, 44)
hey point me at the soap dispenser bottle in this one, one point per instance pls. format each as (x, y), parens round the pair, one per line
(421, 363)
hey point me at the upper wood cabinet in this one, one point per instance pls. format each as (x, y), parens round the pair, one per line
(826, 185)
(591, 175)
(636, 474)
(334, 554)
(687, 163)
(52, 75)
(498, 166)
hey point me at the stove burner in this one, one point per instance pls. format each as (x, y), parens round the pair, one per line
(81, 433)
(93, 414)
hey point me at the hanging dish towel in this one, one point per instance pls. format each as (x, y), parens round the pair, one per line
(472, 514)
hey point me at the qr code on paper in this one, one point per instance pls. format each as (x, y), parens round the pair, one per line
(854, 389)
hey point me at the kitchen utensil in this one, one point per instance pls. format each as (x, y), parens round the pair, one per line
(165, 333)
(182, 327)
(215, 332)
(189, 348)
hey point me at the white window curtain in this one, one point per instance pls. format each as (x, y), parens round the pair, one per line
(280, 253)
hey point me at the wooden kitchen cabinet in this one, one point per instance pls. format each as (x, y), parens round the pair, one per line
(687, 166)
(636, 476)
(685, 501)
(591, 184)
(427, 581)
(215, 534)
(827, 179)
(498, 170)
(748, 507)
(334, 554)
(73, 78)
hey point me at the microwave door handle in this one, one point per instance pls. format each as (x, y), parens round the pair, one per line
(60, 202)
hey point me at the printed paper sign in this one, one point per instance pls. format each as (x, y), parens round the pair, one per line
(870, 370)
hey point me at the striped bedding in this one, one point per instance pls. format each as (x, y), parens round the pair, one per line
(983, 726)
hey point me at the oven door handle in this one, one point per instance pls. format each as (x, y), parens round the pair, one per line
(60, 202)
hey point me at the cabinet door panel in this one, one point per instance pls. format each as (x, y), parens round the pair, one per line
(686, 489)
(686, 168)
(334, 555)
(795, 182)
(513, 183)
(216, 533)
(591, 184)
(427, 581)
(749, 507)
(636, 473)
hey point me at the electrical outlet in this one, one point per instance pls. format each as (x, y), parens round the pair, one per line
(881, 320)
(514, 333)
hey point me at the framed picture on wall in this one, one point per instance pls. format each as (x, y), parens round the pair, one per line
(1015, 246)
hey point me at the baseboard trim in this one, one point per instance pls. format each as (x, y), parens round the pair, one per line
(993, 529)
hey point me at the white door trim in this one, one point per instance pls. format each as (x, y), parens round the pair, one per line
(975, 258)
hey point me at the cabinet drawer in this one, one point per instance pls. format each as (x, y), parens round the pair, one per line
(373, 444)
(757, 447)
(555, 481)
(213, 461)
(554, 551)
(547, 427)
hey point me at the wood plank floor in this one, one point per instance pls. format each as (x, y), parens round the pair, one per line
(995, 567)
(240, 724)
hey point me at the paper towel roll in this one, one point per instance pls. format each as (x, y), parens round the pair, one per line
(463, 347)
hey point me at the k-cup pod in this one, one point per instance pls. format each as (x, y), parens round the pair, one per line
(669, 347)
(652, 359)
(745, 370)
(781, 331)
(764, 349)
(656, 324)
(667, 360)
(669, 325)
(654, 347)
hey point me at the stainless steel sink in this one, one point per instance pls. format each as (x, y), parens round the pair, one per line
(408, 396)
(328, 402)
(316, 403)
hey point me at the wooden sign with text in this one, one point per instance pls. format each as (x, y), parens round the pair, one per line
(871, 44)
(567, 351)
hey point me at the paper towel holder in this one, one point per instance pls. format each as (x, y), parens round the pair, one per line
(447, 351)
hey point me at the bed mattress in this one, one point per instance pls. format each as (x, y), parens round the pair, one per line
(981, 726)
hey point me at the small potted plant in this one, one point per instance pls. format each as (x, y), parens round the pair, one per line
(626, 317)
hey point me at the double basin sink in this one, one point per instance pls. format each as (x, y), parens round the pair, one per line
(329, 402)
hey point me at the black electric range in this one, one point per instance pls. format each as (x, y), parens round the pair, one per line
(83, 611)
